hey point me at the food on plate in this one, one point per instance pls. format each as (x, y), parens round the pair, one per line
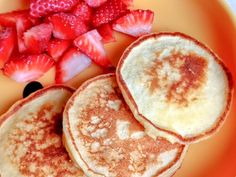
(107, 33)
(104, 139)
(136, 23)
(31, 136)
(40, 8)
(52, 26)
(67, 26)
(25, 68)
(72, 63)
(128, 2)
(91, 44)
(57, 47)
(169, 91)
(95, 3)
(83, 11)
(37, 38)
(7, 43)
(176, 84)
(9, 18)
(109, 11)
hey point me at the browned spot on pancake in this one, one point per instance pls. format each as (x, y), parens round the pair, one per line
(36, 146)
(191, 69)
(123, 157)
(193, 72)
(152, 72)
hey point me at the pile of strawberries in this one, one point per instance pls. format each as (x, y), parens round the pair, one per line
(69, 34)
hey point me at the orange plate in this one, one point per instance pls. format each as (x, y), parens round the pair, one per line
(209, 22)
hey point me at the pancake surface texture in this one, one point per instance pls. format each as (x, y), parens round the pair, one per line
(31, 136)
(174, 83)
(106, 140)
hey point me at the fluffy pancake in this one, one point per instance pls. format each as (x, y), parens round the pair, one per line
(30, 133)
(174, 83)
(104, 138)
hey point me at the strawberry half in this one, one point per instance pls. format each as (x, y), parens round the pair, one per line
(136, 23)
(56, 47)
(90, 43)
(22, 21)
(109, 11)
(22, 25)
(27, 68)
(107, 33)
(95, 3)
(83, 11)
(72, 63)
(67, 26)
(40, 8)
(9, 19)
(7, 43)
(37, 38)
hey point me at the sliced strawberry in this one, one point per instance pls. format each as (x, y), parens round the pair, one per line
(9, 18)
(90, 43)
(95, 3)
(36, 38)
(56, 47)
(83, 11)
(72, 63)
(28, 67)
(22, 25)
(109, 11)
(67, 26)
(107, 33)
(128, 2)
(40, 8)
(136, 23)
(7, 44)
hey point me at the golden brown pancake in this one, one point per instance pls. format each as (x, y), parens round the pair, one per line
(31, 137)
(173, 83)
(104, 138)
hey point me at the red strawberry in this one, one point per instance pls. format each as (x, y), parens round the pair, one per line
(83, 11)
(90, 43)
(67, 26)
(128, 2)
(107, 33)
(109, 11)
(22, 21)
(22, 25)
(72, 63)
(95, 3)
(37, 38)
(40, 8)
(10, 18)
(56, 47)
(27, 67)
(136, 23)
(7, 43)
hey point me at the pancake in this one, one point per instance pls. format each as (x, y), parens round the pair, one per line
(174, 83)
(30, 137)
(104, 138)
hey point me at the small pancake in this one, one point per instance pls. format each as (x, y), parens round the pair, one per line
(105, 139)
(31, 137)
(173, 83)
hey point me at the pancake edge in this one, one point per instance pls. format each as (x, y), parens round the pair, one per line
(69, 141)
(144, 120)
